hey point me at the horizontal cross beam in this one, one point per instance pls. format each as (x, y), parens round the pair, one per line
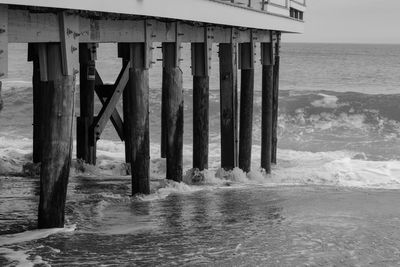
(29, 27)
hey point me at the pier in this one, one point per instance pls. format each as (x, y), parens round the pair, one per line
(63, 37)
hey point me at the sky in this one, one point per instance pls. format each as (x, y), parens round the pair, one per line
(350, 21)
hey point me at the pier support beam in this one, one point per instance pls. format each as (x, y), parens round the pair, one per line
(86, 141)
(137, 121)
(36, 55)
(276, 99)
(37, 108)
(164, 106)
(173, 107)
(3, 43)
(246, 65)
(57, 134)
(201, 85)
(1, 99)
(228, 105)
(267, 60)
(126, 110)
(124, 53)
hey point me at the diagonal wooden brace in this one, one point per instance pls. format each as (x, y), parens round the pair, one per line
(111, 103)
(115, 117)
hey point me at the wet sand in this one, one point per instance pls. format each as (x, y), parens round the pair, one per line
(238, 225)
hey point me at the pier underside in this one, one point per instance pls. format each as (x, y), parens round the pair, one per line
(259, 14)
(63, 43)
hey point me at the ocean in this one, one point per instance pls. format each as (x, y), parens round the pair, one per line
(330, 201)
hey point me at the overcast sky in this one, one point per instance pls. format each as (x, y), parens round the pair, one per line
(351, 21)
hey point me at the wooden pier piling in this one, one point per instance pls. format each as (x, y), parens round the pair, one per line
(124, 53)
(137, 121)
(37, 114)
(164, 107)
(86, 140)
(1, 98)
(201, 86)
(38, 93)
(173, 104)
(228, 105)
(276, 99)
(246, 64)
(57, 141)
(267, 109)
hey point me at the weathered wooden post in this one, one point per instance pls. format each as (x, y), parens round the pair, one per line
(246, 64)
(228, 104)
(172, 81)
(201, 57)
(57, 142)
(276, 98)
(267, 61)
(36, 54)
(86, 140)
(1, 98)
(37, 105)
(3, 46)
(137, 121)
(62, 65)
(164, 106)
(124, 53)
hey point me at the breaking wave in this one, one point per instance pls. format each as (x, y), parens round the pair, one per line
(328, 138)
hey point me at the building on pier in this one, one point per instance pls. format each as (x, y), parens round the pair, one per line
(62, 38)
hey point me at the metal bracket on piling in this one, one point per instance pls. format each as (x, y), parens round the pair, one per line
(3, 41)
(69, 34)
(178, 41)
(254, 39)
(209, 37)
(148, 40)
(234, 37)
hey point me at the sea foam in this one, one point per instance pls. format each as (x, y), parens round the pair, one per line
(21, 258)
(338, 168)
(33, 235)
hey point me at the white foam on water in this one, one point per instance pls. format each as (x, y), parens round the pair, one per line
(337, 168)
(166, 188)
(367, 174)
(16, 257)
(20, 258)
(14, 153)
(33, 235)
(327, 101)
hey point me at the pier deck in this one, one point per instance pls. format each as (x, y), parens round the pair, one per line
(282, 15)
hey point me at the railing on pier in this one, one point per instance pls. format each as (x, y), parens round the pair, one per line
(288, 8)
